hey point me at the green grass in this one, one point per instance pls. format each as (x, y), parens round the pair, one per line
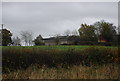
(60, 47)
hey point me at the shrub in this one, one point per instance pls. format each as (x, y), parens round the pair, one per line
(98, 55)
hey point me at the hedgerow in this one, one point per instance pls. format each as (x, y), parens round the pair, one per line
(14, 58)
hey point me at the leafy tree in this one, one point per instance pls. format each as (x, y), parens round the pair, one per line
(87, 33)
(38, 40)
(6, 37)
(105, 30)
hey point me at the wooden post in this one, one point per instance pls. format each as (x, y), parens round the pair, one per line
(2, 26)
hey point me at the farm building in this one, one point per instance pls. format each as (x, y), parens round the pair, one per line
(60, 40)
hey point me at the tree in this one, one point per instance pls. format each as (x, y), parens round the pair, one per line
(16, 41)
(27, 37)
(87, 33)
(38, 40)
(6, 37)
(75, 39)
(57, 39)
(67, 32)
(105, 30)
(74, 33)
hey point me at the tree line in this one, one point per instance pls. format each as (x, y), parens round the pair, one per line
(100, 30)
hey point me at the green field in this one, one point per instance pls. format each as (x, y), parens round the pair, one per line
(61, 47)
(55, 62)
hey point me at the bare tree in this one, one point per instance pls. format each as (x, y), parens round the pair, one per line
(57, 39)
(74, 32)
(27, 37)
(16, 41)
(67, 32)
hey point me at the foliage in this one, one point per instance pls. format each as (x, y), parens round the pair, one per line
(23, 57)
(87, 33)
(101, 30)
(38, 41)
(6, 37)
(105, 30)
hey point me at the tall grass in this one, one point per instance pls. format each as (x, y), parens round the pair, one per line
(75, 72)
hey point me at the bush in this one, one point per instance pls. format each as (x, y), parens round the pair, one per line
(99, 55)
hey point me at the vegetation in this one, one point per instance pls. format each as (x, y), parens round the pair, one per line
(87, 33)
(105, 30)
(99, 31)
(16, 41)
(76, 72)
(38, 41)
(71, 61)
(21, 58)
(6, 37)
(27, 37)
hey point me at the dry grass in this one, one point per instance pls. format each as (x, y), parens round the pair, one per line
(75, 72)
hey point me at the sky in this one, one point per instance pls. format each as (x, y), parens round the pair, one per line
(51, 18)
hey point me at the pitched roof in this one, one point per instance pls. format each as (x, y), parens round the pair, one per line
(53, 38)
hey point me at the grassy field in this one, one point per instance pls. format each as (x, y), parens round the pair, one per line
(60, 62)
(62, 47)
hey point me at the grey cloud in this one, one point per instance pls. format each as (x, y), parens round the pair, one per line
(55, 17)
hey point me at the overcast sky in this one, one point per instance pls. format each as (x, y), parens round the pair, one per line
(50, 18)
